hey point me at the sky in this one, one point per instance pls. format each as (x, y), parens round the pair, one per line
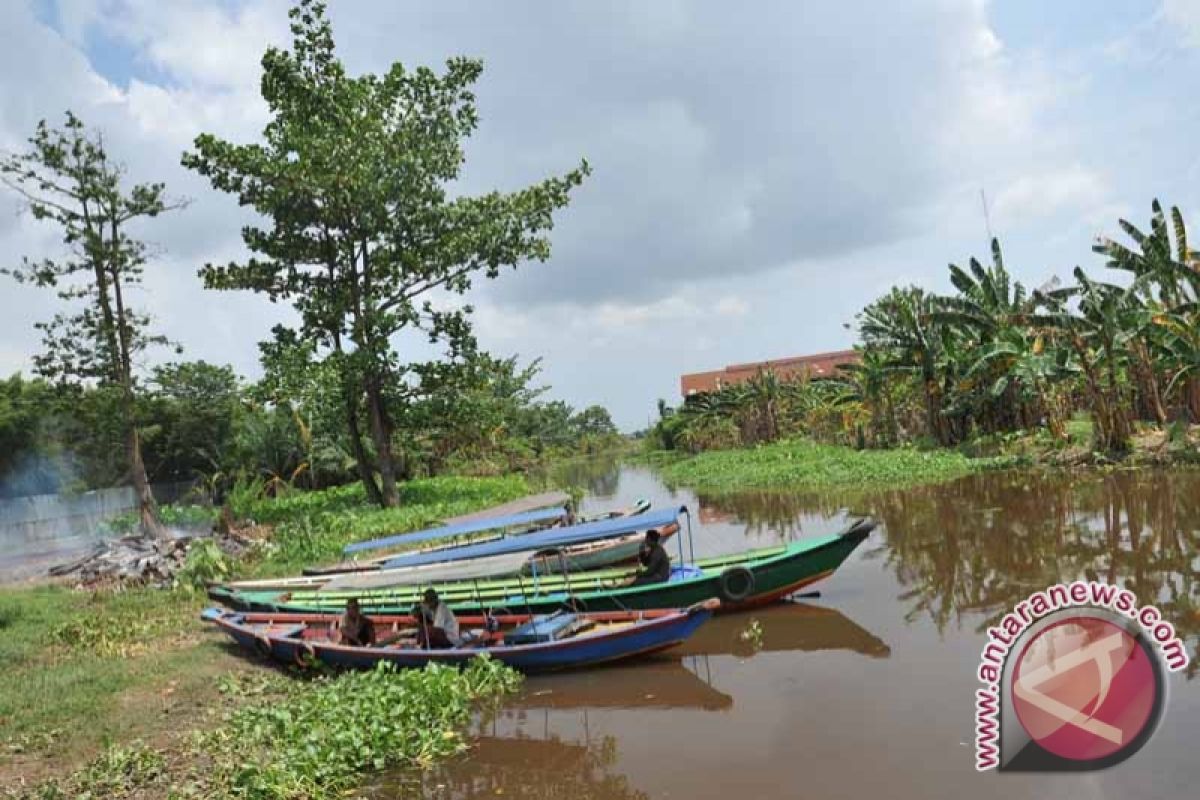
(760, 172)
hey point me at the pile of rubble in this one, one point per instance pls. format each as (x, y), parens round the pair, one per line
(143, 560)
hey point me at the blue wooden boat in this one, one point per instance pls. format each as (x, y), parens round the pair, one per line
(530, 643)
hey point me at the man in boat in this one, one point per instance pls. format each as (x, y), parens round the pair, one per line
(436, 625)
(354, 629)
(656, 564)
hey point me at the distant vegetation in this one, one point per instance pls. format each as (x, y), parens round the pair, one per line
(200, 423)
(358, 231)
(993, 359)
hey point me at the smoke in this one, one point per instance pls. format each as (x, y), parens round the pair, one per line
(35, 473)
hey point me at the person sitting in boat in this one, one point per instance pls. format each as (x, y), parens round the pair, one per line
(656, 564)
(436, 625)
(354, 629)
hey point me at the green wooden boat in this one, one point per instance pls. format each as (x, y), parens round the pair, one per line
(742, 580)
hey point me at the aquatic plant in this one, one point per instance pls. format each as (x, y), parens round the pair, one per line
(327, 733)
(801, 463)
(752, 634)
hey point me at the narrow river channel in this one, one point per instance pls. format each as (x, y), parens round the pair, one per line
(867, 691)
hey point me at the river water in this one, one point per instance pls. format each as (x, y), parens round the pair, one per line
(867, 691)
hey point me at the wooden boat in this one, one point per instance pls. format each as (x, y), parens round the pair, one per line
(742, 580)
(568, 560)
(473, 530)
(531, 643)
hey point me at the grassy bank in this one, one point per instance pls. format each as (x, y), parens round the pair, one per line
(100, 685)
(803, 464)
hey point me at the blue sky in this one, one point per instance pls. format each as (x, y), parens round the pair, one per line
(758, 178)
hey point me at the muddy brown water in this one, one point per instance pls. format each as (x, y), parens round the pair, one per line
(867, 691)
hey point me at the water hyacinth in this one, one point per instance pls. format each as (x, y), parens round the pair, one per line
(321, 737)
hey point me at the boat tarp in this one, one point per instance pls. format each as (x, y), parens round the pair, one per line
(490, 567)
(544, 540)
(519, 506)
(462, 529)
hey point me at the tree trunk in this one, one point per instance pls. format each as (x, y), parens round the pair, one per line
(147, 507)
(1120, 431)
(1149, 384)
(361, 461)
(1101, 418)
(933, 408)
(381, 434)
(1193, 398)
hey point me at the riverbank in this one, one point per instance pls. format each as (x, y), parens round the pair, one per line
(804, 464)
(117, 692)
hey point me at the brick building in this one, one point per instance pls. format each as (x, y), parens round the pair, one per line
(817, 366)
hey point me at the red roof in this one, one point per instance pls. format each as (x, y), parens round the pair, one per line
(817, 365)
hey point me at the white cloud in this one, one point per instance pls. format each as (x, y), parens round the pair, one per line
(618, 317)
(1184, 17)
(1040, 195)
(731, 306)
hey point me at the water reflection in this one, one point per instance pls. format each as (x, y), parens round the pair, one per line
(682, 677)
(797, 627)
(523, 768)
(599, 476)
(978, 546)
(661, 683)
(881, 670)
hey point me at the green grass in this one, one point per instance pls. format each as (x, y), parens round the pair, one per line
(290, 740)
(802, 464)
(67, 655)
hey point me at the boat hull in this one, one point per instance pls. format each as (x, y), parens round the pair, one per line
(774, 574)
(659, 632)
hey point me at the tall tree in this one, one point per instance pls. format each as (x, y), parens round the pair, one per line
(67, 178)
(351, 178)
